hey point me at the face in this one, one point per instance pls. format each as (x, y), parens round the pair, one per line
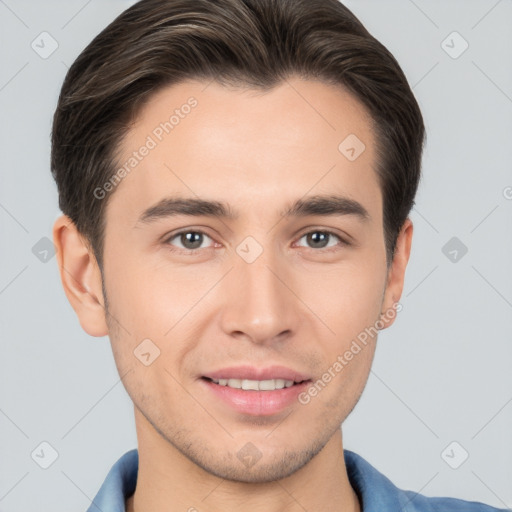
(262, 277)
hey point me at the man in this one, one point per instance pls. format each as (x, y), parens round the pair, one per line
(236, 178)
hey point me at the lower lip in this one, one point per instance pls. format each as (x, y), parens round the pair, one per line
(257, 403)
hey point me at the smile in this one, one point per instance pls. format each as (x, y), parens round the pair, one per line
(255, 385)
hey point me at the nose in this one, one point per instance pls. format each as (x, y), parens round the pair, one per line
(260, 304)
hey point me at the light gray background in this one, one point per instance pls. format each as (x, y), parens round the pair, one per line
(442, 373)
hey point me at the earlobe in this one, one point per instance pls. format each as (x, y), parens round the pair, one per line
(396, 274)
(80, 276)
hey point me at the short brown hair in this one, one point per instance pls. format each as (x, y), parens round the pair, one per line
(246, 43)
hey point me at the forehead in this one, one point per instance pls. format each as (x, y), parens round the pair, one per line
(247, 146)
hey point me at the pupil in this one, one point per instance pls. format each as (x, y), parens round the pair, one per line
(187, 239)
(318, 238)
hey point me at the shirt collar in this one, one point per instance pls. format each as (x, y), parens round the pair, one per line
(376, 492)
(118, 485)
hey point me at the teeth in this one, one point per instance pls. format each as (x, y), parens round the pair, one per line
(255, 385)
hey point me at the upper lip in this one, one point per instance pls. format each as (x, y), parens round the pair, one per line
(253, 373)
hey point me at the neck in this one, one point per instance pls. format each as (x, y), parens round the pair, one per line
(167, 480)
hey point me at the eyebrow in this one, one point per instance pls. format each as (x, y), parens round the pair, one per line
(330, 205)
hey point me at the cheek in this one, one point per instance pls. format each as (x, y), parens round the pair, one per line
(347, 299)
(151, 313)
(148, 301)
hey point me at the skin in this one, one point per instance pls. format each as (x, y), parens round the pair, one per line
(298, 304)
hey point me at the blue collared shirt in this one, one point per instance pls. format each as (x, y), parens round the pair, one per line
(376, 492)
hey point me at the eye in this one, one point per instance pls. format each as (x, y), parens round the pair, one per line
(320, 239)
(190, 240)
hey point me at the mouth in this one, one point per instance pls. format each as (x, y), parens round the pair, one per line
(250, 397)
(256, 385)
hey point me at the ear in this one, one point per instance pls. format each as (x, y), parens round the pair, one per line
(80, 276)
(396, 274)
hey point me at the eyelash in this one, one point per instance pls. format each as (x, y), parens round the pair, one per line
(168, 240)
